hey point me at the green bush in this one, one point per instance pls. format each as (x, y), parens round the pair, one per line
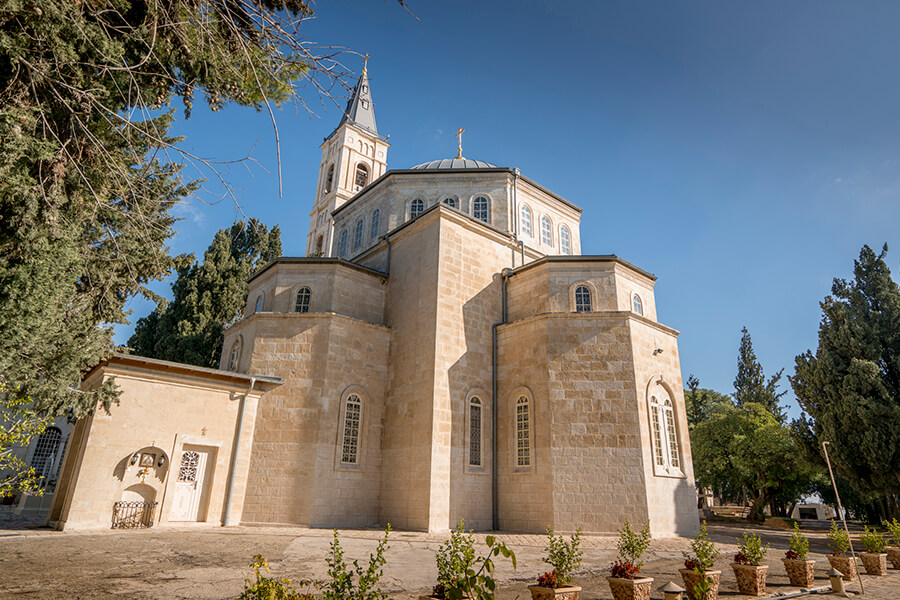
(463, 574)
(703, 552)
(838, 540)
(750, 547)
(453, 558)
(893, 528)
(262, 587)
(799, 544)
(872, 540)
(563, 556)
(341, 585)
(632, 545)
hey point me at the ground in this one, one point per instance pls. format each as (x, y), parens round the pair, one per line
(211, 563)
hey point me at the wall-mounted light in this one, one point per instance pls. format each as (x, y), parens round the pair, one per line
(657, 351)
(134, 458)
(161, 462)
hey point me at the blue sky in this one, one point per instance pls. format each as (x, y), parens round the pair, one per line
(742, 152)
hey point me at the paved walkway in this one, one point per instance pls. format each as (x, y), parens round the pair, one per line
(211, 563)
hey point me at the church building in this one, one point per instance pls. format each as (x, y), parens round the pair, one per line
(443, 352)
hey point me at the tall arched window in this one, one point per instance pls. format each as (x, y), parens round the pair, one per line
(329, 179)
(362, 176)
(523, 433)
(546, 231)
(666, 453)
(416, 208)
(475, 432)
(44, 456)
(376, 223)
(301, 305)
(565, 240)
(319, 242)
(525, 220)
(259, 304)
(480, 209)
(350, 435)
(358, 235)
(637, 306)
(235, 356)
(451, 202)
(582, 299)
(342, 246)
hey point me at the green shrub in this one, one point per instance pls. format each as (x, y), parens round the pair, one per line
(563, 556)
(751, 550)
(799, 544)
(341, 585)
(838, 540)
(703, 587)
(262, 587)
(872, 540)
(453, 558)
(463, 574)
(632, 545)
(703, 552)
(893, 528)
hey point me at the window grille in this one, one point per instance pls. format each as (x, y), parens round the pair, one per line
(302, 303)
(475, 432)
(565, 242)
(546, 231)
(480, 209)
(416, 208)
(358, 235)
(342, 246)
(582, 299)
(525, 219)
(523, 433)
(376, 218)
(657, 433)
(350, 445)
(665, 436)
(451, 202)
(44, 457)
(637, 305)
(670, 431)
(187, 472)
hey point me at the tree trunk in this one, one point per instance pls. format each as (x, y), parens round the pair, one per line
(757, 507)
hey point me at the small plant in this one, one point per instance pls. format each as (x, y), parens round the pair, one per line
(750, 550)
(262, 587)
(838, 540)
(799, 545)
(341, 586)
(893, 529)
(463, 574)
(703, 587)
(563, 556)
(703, 552)
(548, 580)
(631, 546)
(872, 541)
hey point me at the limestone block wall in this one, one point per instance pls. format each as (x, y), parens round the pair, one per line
(543, 204)
(295, 472)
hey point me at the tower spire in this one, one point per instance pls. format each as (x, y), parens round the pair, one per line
(360, 111)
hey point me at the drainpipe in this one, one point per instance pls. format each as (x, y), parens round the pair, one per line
(234, 455)
(495, 504)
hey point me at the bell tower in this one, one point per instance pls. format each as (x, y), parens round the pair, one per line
(353, 156)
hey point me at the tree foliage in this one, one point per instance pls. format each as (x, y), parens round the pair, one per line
(849, 389)
(208, 296)
(700, 402)
(750, 385)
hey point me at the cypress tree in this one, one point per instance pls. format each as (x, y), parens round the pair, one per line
(750, 383)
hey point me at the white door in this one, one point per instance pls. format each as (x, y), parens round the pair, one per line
(190, 486)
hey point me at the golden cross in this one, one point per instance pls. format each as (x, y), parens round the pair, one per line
(459, 143)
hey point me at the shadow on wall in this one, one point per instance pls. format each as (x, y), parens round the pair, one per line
(151, 460)
(684, 503)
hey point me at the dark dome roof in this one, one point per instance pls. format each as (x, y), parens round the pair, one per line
(454, 163)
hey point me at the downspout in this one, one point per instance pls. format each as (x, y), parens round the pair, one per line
(495, 504)
(234, 454)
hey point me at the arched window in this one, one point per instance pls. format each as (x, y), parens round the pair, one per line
(480, 209)
(546, 231)
(44, 456)
(342, 246)
(665, 439)
(362, 176)
(259, 304)
(319, 242)
(525, 220)
(452, 202)
(637, 306)
(357, 235)
(376, 222)
(475, 432)
(582, 299)
(565, 240)
(235, 356)
(350, 435)
(523, 433)
(329, 180)
(301, 305)
(416, 208)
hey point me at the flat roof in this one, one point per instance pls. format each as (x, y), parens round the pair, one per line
(168, 366)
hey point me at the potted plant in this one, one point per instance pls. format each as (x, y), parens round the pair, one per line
(839, 543)
(893, 551)
(698, 565)
(463, 574)
(748, 568)
(565, 558)
(800, 568)
(625, 581)
(874, 558)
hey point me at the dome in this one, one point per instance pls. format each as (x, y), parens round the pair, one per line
(454, 163)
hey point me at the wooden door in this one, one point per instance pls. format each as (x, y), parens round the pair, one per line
(191, 485)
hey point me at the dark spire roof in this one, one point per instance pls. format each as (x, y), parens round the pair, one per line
(360, 111)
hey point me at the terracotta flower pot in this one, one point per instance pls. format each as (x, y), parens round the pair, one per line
(893, 553)
(751, 579)
(875, 563)
(539, 592)
(630, 589)
(800, 572)
(844, 564)
(691, 579)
